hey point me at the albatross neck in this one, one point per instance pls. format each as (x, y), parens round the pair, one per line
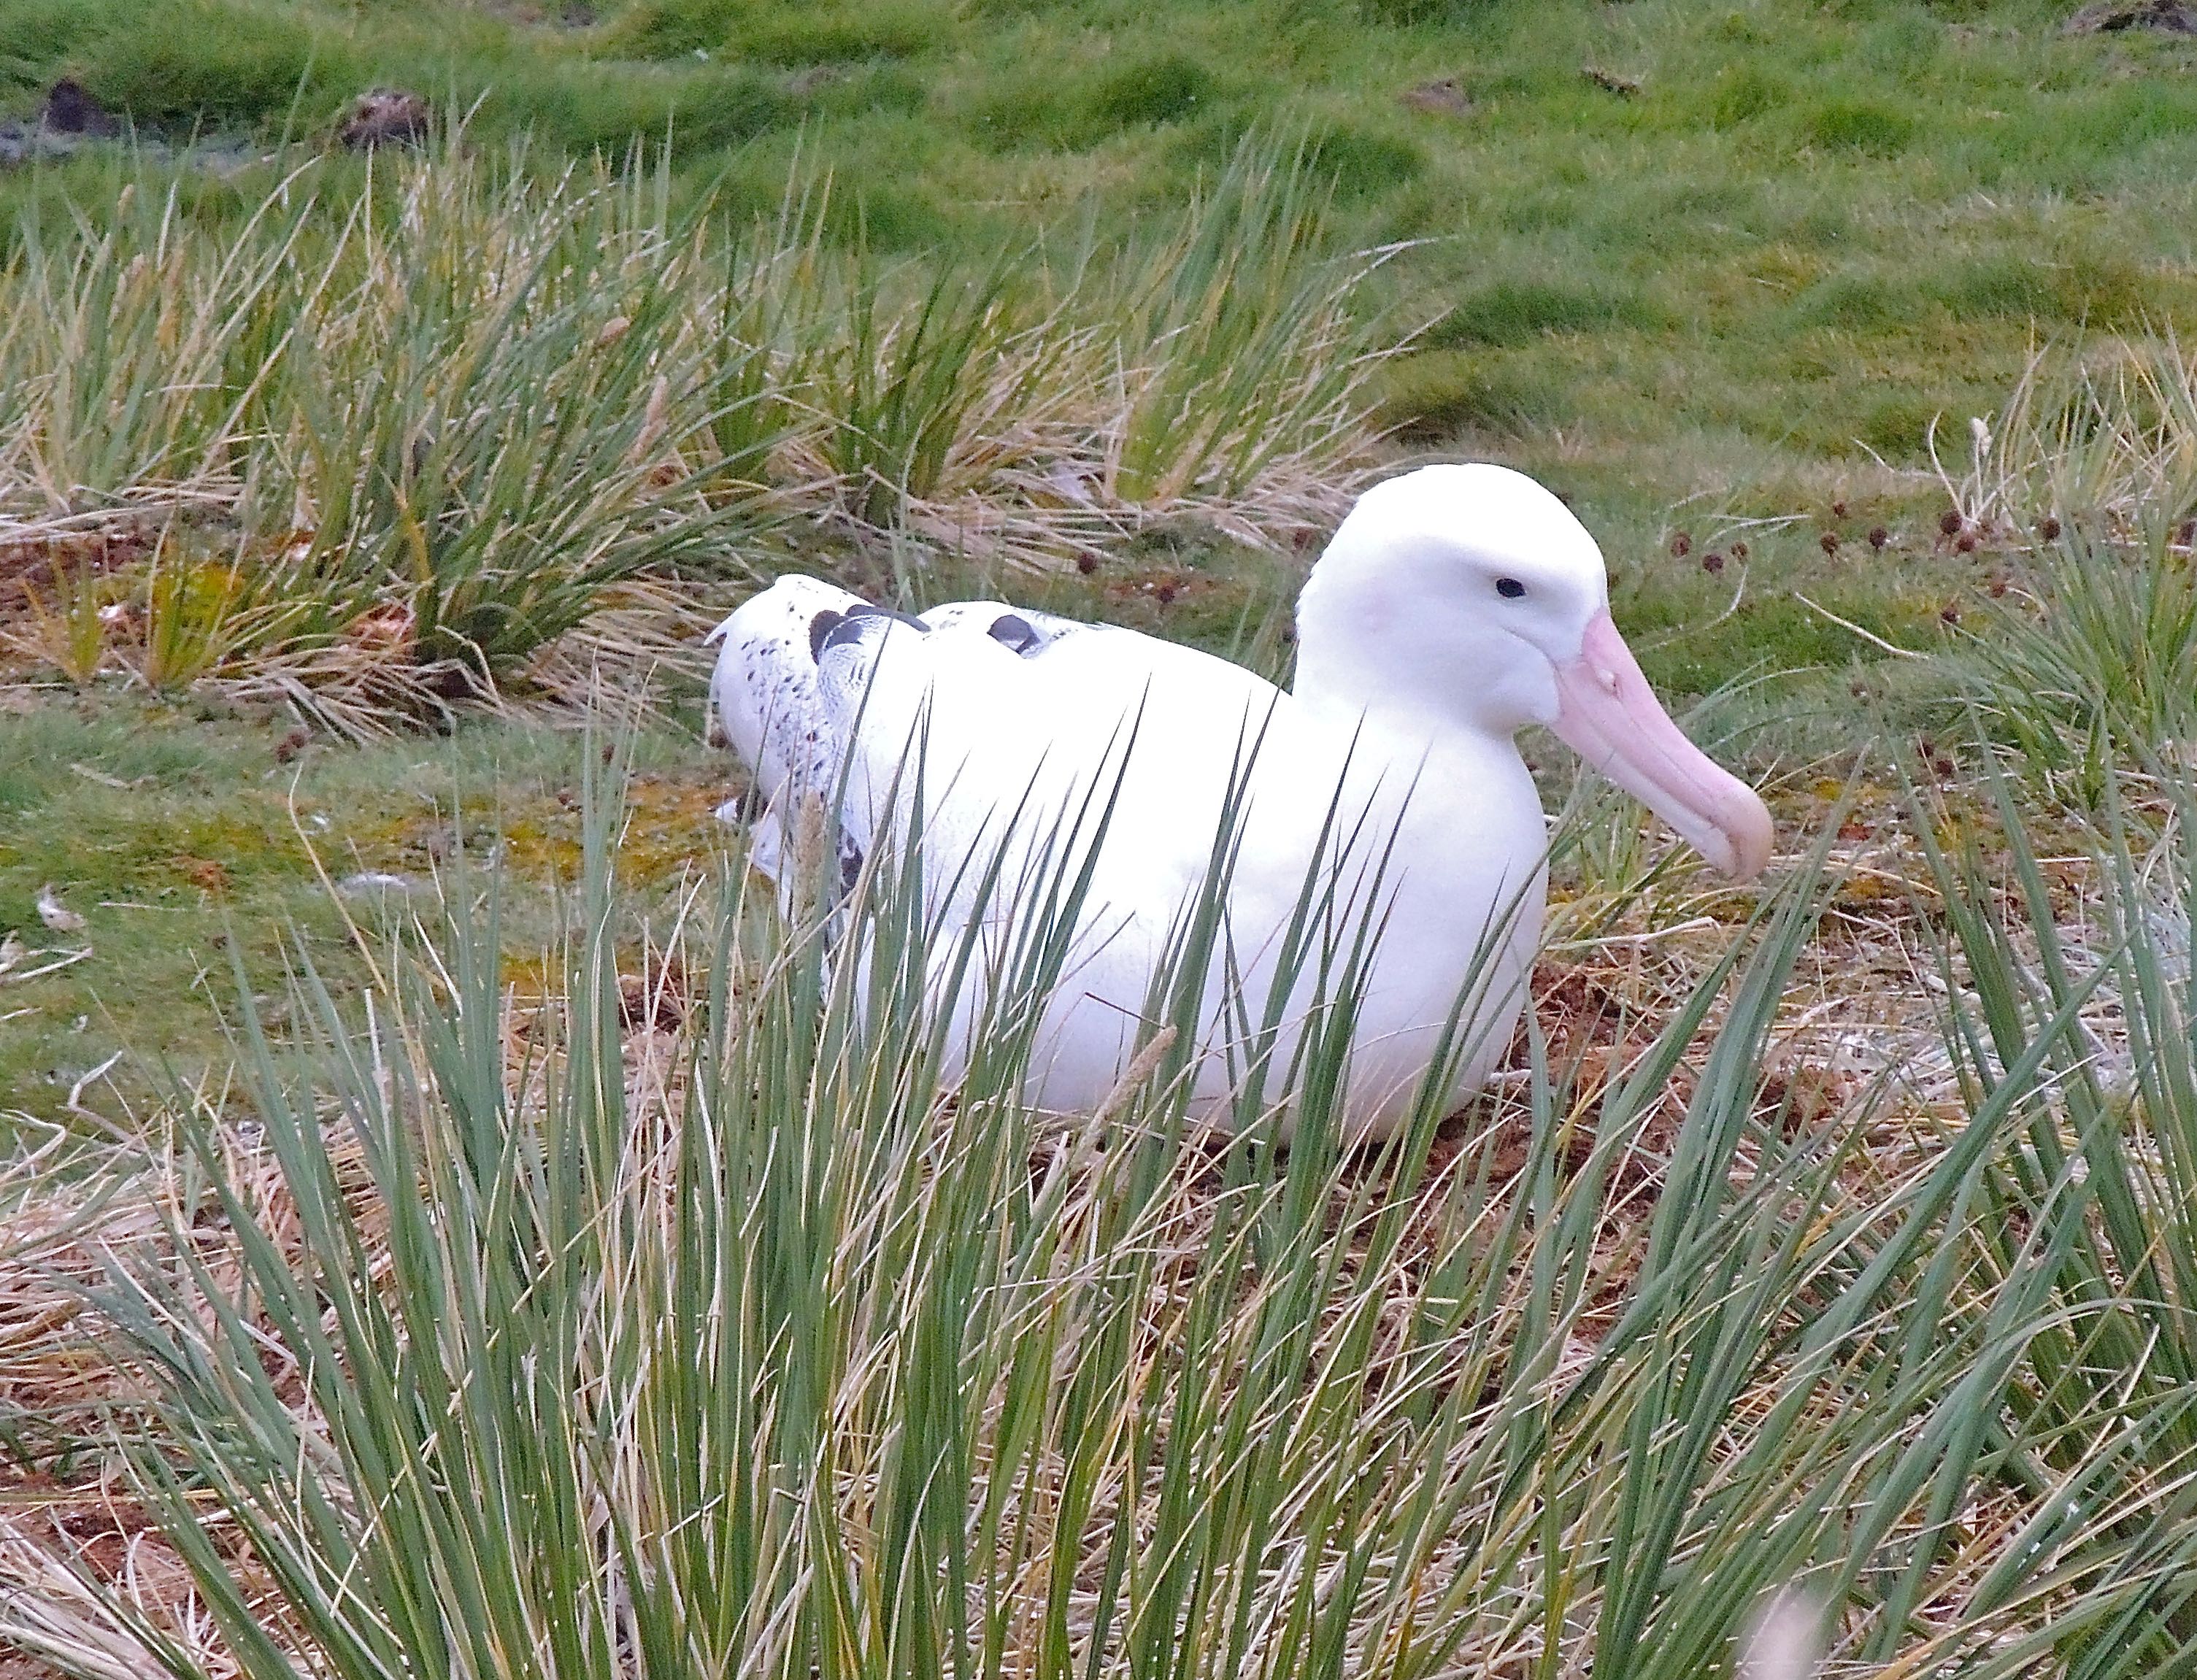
(1404, 694)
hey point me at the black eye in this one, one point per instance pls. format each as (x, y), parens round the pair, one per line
(1510, 589)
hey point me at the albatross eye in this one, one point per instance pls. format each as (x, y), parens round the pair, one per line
(1510, 589)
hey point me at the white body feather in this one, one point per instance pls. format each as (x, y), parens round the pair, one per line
(1455, 605)
(1014, 748)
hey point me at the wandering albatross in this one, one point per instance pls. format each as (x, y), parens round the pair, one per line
(1455, 605)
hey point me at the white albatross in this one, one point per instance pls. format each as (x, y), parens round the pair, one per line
(1455, 605)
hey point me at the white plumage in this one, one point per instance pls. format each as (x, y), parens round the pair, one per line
(1455, 604)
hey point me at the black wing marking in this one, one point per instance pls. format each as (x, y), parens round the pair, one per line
(1019, 629)
(829, 629)
(1017, 633)
(1044, 630)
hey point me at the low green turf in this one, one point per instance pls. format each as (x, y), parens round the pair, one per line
(1772, 233)
(172, 833)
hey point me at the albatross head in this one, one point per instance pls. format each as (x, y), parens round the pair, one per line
(1471, 595)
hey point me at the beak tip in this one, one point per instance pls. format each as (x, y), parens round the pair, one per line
(1750, 836)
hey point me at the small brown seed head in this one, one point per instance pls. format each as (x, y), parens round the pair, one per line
(1878, 537)
(1682, 545)
(1950, 522)
(1713, 562)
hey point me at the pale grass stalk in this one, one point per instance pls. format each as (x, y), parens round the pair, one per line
(2103, 431)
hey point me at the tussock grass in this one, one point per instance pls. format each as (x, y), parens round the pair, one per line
(2098, 668)
(1760, 279)
(687, 1311)
(2089, 477)
(389, 448)
(1847, 220)
(2103, 432)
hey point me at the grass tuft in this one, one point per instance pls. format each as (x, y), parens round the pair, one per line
(1515, 312)
(188, 65)
(438, 418)
(1873, 130)
(1168, 88)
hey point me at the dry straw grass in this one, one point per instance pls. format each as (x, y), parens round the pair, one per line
(83, 1565)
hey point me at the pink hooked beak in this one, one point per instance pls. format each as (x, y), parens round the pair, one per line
(1608, 715)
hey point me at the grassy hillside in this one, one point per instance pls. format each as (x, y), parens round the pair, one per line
(1714, 273)
(1733, 258)
(481, 1238)
(1738, 234)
